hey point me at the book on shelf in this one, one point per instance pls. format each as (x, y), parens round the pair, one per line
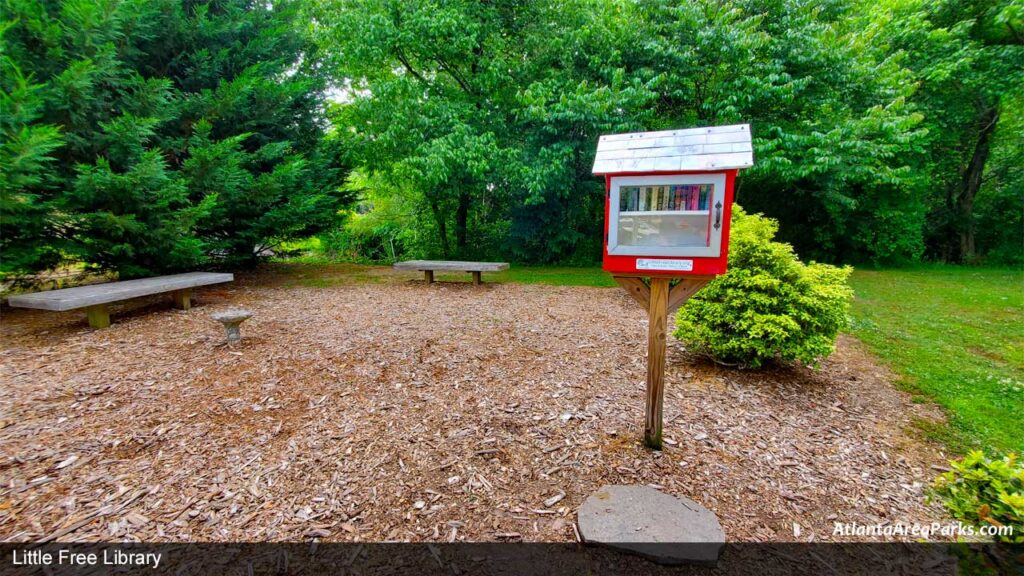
(671, 198)
(632, 195)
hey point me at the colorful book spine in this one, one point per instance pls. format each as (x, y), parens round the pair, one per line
(677, 197)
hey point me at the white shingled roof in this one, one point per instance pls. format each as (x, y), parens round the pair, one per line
(713, 148)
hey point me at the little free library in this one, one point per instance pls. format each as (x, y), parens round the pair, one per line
(667, 215)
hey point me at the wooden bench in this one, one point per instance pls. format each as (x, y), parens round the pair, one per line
(428, 267)
(95, 297)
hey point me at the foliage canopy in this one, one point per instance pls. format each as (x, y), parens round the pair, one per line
(149, 136)
(484, 115)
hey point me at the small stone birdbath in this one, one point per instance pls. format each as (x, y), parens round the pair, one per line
(231, 319)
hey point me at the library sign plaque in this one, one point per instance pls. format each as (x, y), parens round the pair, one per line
(667, 214)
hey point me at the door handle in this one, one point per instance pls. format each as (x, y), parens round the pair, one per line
(718, 215)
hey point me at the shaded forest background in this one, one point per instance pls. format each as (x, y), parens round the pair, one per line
(143, 137)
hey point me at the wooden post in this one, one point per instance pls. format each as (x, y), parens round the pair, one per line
(656, 334)
(182, 299)
(428, 276)
(476, 278)
(658, 300)
(98, 315)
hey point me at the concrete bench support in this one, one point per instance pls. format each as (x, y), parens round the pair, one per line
(182, 299)
(95, 297)
(428, 267)
(98, 315)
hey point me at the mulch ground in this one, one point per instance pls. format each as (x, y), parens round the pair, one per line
(396, 410)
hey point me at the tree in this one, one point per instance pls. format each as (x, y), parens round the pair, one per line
(26, 183)
(969, 59)
(191, 132)
(420, 78)
(492, 109)
(489, 110)
(1000, 202)
(834, 138)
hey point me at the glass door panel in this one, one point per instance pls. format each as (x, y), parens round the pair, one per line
(666, 215)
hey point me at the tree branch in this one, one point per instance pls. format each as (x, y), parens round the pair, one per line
(408, 67)
(451, 72)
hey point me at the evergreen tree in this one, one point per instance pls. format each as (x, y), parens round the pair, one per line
(26, 178)
(190, 133)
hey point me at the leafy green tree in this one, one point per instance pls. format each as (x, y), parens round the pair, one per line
(968, 56)
(999, 209)
(492, 110)
(488, 110)
(834, 138)
(419, 78)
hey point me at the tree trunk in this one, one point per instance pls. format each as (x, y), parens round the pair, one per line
(461, 218)
(442, 228)
(971, 181)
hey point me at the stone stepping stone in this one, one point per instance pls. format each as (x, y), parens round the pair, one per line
(641, 520)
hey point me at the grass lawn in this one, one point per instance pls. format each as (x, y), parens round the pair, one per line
(562, 276)
(955, 336)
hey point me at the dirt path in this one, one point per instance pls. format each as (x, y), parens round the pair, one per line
(404, 411)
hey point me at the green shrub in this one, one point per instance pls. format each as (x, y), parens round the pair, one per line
(769, 306)
(985, 492)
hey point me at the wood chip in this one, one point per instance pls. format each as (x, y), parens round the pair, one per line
(554, 500)
(374, 398)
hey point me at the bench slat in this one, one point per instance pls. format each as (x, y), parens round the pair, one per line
(93, 294)
(451, 266)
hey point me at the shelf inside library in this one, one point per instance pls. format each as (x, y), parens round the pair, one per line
(664, 213)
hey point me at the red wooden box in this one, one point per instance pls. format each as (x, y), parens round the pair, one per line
(669, 199)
